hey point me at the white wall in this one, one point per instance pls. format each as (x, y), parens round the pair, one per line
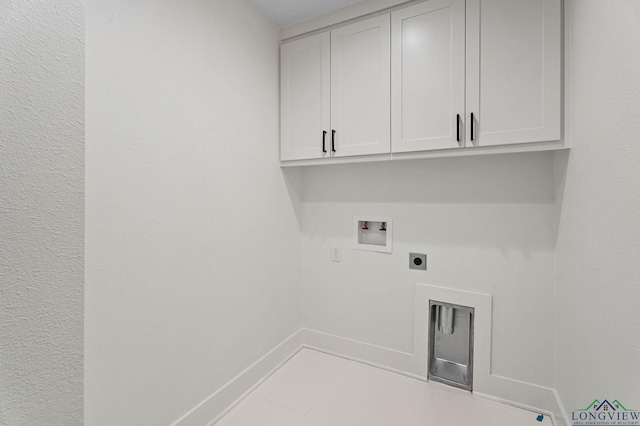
(486, 224)
(192, 239)
(41, 211)
(598, 270)
(183, 187)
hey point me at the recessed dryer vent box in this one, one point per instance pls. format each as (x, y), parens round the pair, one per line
(373, 233)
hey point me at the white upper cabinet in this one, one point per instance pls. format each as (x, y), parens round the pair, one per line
(360, 87)
(514, 70)
(304, 102)
(449, 75)
(495, 64)
(335, 92)
(428, 76)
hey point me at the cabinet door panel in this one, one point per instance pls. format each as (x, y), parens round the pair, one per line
(360, 87)
(428, 45)
(305, 91)
(514, 85)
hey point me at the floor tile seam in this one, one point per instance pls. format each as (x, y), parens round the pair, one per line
(373, 369)
(331, 382)
(394, 374)
(265, 396)
(381, 368)
(429, 391)
(448, 393)
(279, 404)
(430, 411)
(478, 402)
(301, 367)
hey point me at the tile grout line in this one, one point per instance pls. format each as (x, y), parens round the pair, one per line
(276, 402)
(436, 390)
(323, 392)
(252, 389)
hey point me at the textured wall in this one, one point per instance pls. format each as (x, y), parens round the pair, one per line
(192, 240)
(41, 211)
(598, 270)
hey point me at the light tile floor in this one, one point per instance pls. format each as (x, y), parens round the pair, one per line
(316, 389)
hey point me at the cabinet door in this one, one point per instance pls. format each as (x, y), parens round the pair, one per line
(360, 87)
(513, 71)
(304, 102)
(428, 76)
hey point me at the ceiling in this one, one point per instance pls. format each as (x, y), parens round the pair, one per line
(289, 12)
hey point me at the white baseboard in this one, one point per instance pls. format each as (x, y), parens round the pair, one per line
(561, 415)
(365, 353)
(501, 389)
(224, 399)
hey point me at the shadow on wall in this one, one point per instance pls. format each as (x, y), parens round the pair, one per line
(504, 202)
(521, 178)
(561, 164)
(293, 180)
